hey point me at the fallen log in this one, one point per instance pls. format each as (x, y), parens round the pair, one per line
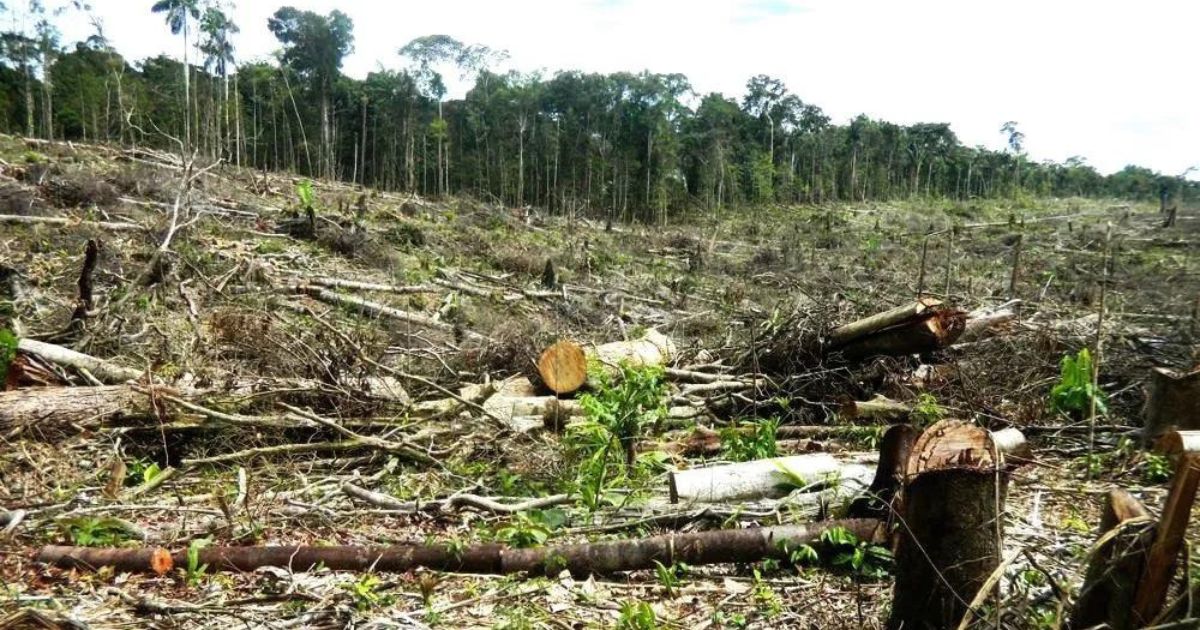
(563, 364)
(1172, 402)
(698, 548)
(949, 544)
(763, 478)
(113, 226)
(106, 371)
(355, 285)
(939, 330)
(982, 321)
(878, 408)
(517, 405)
(1106, 598)
(904, 314)
(375, 309)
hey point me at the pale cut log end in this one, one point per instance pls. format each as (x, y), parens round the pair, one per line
(563, 367)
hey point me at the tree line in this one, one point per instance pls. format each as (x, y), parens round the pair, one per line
(623, 145)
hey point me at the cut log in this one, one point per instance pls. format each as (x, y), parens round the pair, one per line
(1163, 555)
(939, 330)
(763, 478)
(953, 500)
(699, 548)
(104, 370)
(879, 408)
(517, 404)
(981, 323)
(563, 367)
(113, 226)
(1172, 402)
(375, 309)
(652, 349)
(143, 560)
(1106, 597)
(905, 314)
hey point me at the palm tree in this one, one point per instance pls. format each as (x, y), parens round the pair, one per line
(178, 12)
(218, 50)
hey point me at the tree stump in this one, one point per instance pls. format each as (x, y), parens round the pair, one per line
(1172, 402)
(949, 542)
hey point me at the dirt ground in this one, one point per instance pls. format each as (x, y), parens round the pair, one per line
(736, 290)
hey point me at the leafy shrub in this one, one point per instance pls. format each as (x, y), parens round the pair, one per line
(1074, 392)
(8, 351)
(740, 445)
(637, 616)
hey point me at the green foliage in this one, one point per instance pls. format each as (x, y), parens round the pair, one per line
(637, 616)
(766, 597)
(670, 577)
(754, 440)
(194, 571)
(304, 192)
(615, 417)
(860, 558)
(523, 531)
(926, 410)
(365, 592)
(8, 351)
(90, 531)
(1074, 392)
(1156, 468)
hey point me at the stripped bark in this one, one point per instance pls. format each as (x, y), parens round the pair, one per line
(698, 548)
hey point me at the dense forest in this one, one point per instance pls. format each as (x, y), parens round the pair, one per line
(629, 146)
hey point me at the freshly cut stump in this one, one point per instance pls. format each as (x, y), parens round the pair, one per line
(563, 367)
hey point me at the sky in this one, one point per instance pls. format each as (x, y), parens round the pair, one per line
(1111, 81)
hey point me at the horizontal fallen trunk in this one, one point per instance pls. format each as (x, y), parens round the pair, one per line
(517, 405)
(339, 283)
(878, 408)
(699, 548)
(764, 478)
(980, 323)
(375, 309)
(106, 371)
(112, 226)
(564, 365)
(904, 314)
(935, 332)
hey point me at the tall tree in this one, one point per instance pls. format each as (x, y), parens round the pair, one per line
(218, 56)
(179, 14)
(314, 46)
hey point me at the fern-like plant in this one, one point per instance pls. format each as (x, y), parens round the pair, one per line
(1075, 392)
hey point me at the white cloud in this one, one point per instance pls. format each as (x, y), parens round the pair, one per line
(1106, 80)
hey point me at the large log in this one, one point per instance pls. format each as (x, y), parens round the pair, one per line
(1172, 402)
(698, 548)
(763, 478)
(949, 544)
(904, 314)
(518, 405)
(564, 364)
(941, 329)
(1106, 597)
(106, 371)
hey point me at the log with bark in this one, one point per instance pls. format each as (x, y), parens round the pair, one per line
(950, 541)
(877, 408)
(375, 309)
(765, 478)
(698, 548)
(920, 327)
(1172, 402)
(106, 371)
(564, 365)
(520, 407)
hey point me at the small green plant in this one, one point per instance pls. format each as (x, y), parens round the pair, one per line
(927, 411)
(637, 616)
(523, 531)
(194, 571)
(750, 440)
(8, 351)
(670, 577)
(365, 592)
(304, 192)
(860, 558)
(1156, 468)
(766, 597)
(722, 619)
(88, 531)
(615, 417)
(1075, 393)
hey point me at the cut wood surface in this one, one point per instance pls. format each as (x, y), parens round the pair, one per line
(563, 367)
(1172, 402)
(1163, 555)
(1179, 443)
(104, 370)
(700, 548)
(903, 314)
(1115, 565)
(763, 478)
(949, 543)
